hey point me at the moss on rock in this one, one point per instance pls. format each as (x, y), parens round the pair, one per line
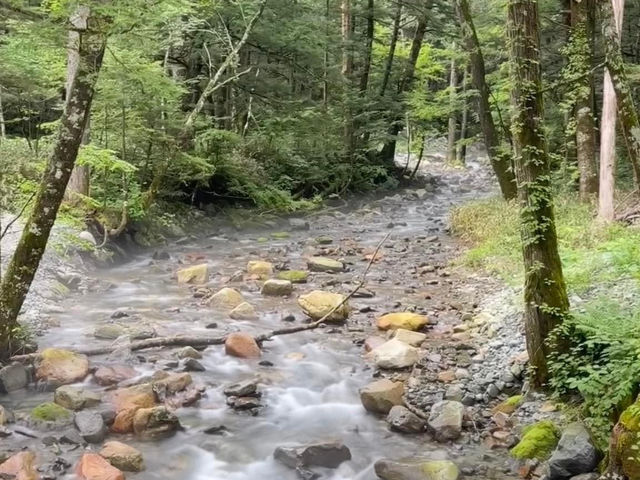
(538, 441)
(294, 276)
(50, 412)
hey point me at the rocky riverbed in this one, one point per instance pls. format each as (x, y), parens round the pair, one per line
(417, 375)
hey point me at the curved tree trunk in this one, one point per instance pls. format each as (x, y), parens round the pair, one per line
(545, 294)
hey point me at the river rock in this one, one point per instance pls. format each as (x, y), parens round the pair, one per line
(50, 416)
(317, 304)
(61, 367)
(394, 354)
(13, 377)
(373, 342)
(76, 398)
(197, 275)
(20, 466)
(445, 420)
(241, 345)
(415, 339)
(6, 416)
(244, 311)
(294, 276)
(241, 389)
(299, 224)
(188, 352)
(127, 401)
(406, 320)
(324, 264)
(327, 455)
(575, 454)
(401, 419)
(382, 395)
(416, 469)
(277, 288)
(155, 422)
(170, 384)
(91, 426)
(260, 268)
(226, 298)
(111, 331)
(112, 374)
(191, 365)
(123, 456)
(93, 467)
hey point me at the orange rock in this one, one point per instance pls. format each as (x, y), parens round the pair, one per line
(61, 367)
(127, 402)
(93, 467)
(20, 467)
(447, 376)
(242, 345)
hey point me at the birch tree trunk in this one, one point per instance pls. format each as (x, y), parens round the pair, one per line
(608, 119)
(31, 246)
(453, 117)
(545, 295)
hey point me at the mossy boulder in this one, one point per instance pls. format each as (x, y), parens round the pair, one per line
(294, 276)
(324, 264)
(226, 298)
(50, 415)
(626, 442)
(61, 367)
(406, 320)
(538, 441)
(317, 304)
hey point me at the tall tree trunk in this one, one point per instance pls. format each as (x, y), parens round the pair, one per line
(624, 98)
(461, 154)
(388, 66)
(325, 60)
(581, 33)
(608, 119)
(499, 162)
(31, 246)
(388, 151)
(368, 49)
(545, 294)
(3, 133)
(453, 114)
(347, 78)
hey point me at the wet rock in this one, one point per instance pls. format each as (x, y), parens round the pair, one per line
(127, 401)
(242, 345)
(198, 274)
(113, 374)
(50, 415)
(111, 331)
(299, 224)
(294, 276)
(401, 419)
(324, 264)
(188, 352)
(373, 342)
(327, 455)
(13, 377)
(161, 255)
(575, 454)
(192, 365)
(155, 422)
(244, 403)
(445, 420)
(226, 298)
(242, 389)
(244, 311)
(61, 367)
(93, 467)
(382, 395)
(324, 240)
(416, 469)
(318, 303)
(215, 430)
(91, 426)
(76, 398)
(170, 384)
(394, 354)
(123, 456)
(20, 466)
(6, 416)
(405, 320)
(415, 339)
(277, 288)
(260, 269)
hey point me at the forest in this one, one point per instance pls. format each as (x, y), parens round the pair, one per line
(319, 239)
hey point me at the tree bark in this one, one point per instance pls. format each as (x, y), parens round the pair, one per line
(462, 145)
(31, 246)
(366, 66)
(3, 133)
(392, 49)
(453, 117)
(499, 162)
(545, 294)
(347, 79)
(606, 206)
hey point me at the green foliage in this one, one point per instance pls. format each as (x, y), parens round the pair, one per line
(537, 442)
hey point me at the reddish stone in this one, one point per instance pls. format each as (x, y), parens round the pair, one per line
(20, 467)
(113, 374)
(93, 467)
(242, 345)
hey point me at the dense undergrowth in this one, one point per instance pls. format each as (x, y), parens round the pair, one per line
(600, 374)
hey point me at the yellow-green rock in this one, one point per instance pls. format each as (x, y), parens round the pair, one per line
(244, 311)
(50, 412)
(198, 274)
(294, 276)
(324, 264)
(281, 235)
(627, 441)
(538, 441)
(510, 405)
(260, 268)
(317, 304)
(406, 320)
(226, 298)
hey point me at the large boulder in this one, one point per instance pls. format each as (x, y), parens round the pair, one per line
(170, 384)
(93, 467)
(91, 426)
(113, 374)
(244, 311)
(13, 377)
(324, 264)
(382, 395)
(226, 298)
(198, 274)
(406, 320)
(123, 456)
(20, 466)
(327, 455)
(575, 454)
(538, 441)
(241, 345)
(416, 469)
(260, 268)
(624, 454)
(76, 398)
(277, 288)
(61, 367)
(401, 419)
(155, 422)
(394, 354)
(445, 420)
(317, 304)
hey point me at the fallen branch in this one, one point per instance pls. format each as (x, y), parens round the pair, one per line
(181, 341)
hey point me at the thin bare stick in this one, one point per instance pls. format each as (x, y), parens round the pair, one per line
(15, 219)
